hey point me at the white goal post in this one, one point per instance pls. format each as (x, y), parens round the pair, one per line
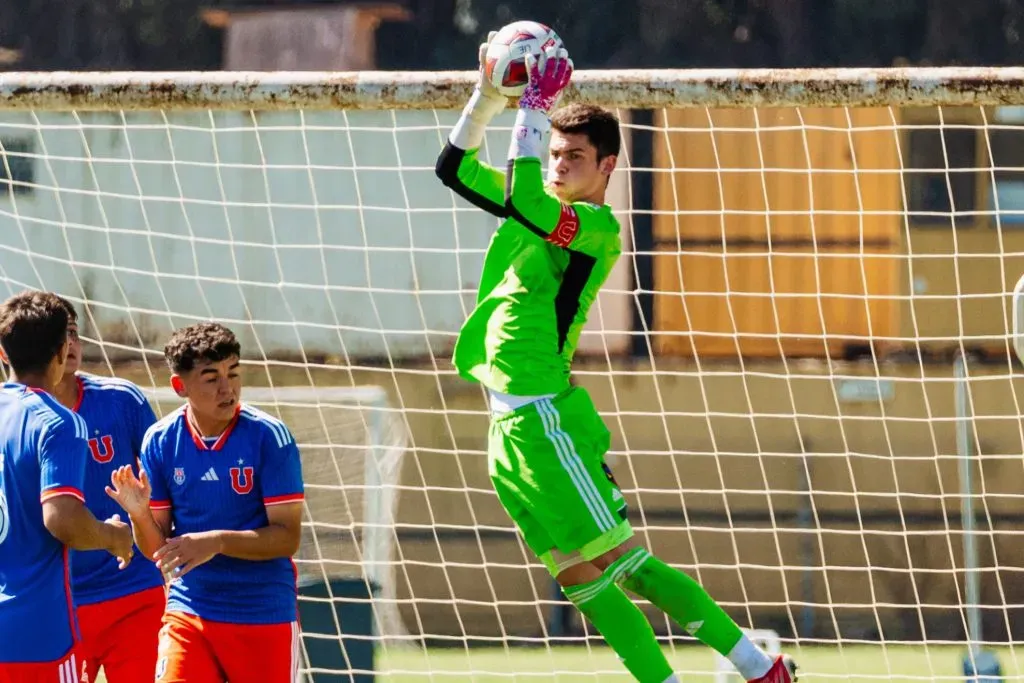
(805, 355)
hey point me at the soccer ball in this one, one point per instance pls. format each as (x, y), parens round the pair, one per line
(505, 60)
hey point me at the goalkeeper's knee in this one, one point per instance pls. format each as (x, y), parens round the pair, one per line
(646, 575)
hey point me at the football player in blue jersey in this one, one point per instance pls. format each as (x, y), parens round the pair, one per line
(219, 507)
(42, 507)
(118, 611)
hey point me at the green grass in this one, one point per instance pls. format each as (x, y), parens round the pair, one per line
(818, 664)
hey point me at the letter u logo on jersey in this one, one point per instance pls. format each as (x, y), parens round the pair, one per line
(241, 480)
(107, 453)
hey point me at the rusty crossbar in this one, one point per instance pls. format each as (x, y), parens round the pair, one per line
(633, 88)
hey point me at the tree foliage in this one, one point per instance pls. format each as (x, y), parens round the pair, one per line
(757, 33)
(108, 34)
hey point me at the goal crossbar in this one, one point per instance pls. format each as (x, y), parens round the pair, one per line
(624, 88)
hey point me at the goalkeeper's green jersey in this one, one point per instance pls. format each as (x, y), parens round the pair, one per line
(541, 274)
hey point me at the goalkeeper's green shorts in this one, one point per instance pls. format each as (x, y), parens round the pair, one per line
(546, 461)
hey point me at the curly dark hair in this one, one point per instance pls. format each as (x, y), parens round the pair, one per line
(203, 341)
(70, 308)
(33, 328)
(599, 125)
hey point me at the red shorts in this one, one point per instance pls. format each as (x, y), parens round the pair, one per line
(121, 635)
(68, 668)
(193, 650)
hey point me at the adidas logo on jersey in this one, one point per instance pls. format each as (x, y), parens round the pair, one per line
(211, 475)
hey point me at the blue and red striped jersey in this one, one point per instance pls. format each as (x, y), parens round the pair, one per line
(42, 455)
(227, 483)
(116, 415)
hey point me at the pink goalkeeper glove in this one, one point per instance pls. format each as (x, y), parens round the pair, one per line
(548, 77)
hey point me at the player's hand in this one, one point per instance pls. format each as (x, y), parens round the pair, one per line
(548, 77)
(182, 554)
(484, 85)
(121, 545)
(131, 493)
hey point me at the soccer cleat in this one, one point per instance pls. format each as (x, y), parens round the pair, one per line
(783, 671)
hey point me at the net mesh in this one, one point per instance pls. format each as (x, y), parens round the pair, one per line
(798, 281)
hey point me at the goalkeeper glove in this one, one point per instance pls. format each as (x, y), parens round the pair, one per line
(548, 77)
(485, 103)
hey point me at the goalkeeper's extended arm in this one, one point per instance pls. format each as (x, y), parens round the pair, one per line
(525, 197)
(458, 166)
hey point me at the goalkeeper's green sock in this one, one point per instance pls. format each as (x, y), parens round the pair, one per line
(623, 626)
(683, 599)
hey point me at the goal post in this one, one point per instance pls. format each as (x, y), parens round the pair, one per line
(825, 264)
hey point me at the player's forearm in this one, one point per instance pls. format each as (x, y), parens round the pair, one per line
(70, 522)
(149, 537)
(266, 543)
(526, 198)
(468, 132)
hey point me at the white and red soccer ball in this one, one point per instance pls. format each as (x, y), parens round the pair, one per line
(505, 60)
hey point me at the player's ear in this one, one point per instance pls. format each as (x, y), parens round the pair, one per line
(607, 165)
(178, 385)
(3, 356)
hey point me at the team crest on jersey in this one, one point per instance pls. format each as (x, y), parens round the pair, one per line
(102, 449)
(179, 475)
(241, 480)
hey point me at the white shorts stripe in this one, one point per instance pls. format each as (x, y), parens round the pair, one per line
(295, 651)
(564, 459)
(603, 511)
(573, 465)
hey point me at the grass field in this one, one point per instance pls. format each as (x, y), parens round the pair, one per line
(818, 664)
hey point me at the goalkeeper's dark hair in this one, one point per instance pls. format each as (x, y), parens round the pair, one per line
(599, 125)
(211, 342)
(33, 329)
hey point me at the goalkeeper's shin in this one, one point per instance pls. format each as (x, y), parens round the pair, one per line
(683, 599)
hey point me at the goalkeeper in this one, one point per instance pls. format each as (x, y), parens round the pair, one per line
(546, 445)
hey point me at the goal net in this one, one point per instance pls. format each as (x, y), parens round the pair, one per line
(804, 355)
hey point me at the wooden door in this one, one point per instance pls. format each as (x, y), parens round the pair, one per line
(776, 230)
